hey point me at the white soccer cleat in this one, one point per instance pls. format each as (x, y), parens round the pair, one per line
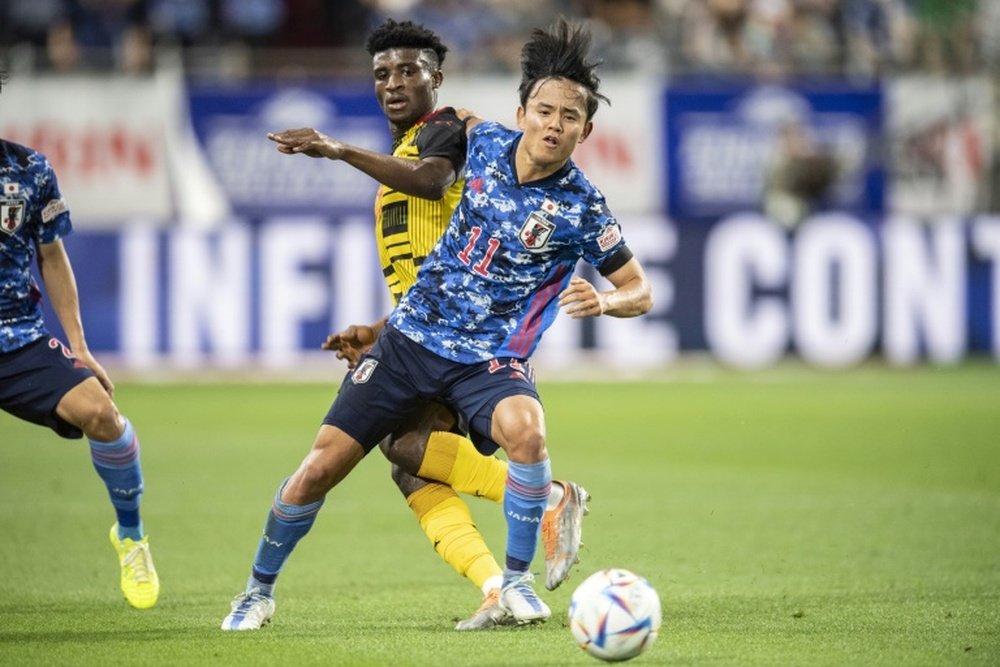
(518, 599)
(489, 615)
(562, 532)
(251, 611)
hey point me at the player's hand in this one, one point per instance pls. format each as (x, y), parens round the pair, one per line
(308, 142)
(86, 358)
(469, 118)
(581, 299)
(351, 343)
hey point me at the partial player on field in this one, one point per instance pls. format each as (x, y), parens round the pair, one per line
(46, 382)
(420, 185)
(482, 299)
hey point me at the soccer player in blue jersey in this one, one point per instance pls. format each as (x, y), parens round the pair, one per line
(420, 185)
(483, 297)
(46, 382)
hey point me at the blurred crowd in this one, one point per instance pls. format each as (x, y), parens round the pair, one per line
(858, 38)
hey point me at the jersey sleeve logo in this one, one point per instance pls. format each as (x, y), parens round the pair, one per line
(52, 209)
(11, 188)
(363, 373)
(536, 232)
(609, 238)
(11, 215)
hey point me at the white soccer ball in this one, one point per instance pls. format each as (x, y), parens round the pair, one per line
(614, 615)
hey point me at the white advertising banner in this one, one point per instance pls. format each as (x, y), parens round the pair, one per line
(622, 157)
(941, 140)
(105, 137)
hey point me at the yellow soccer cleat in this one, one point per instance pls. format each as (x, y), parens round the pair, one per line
(140, 583)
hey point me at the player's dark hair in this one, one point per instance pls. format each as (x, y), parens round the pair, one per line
(560, 52)
(406, 35)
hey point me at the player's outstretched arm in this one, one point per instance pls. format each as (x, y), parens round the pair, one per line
(60, 284)
(427, 178)
(631, 297)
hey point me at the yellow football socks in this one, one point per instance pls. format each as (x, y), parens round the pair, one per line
(455, 461)
(448, 524)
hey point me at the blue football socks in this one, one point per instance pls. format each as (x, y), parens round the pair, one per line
(117, 463)
(286, 524)
(523, 505)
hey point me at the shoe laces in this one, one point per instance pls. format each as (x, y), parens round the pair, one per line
(137, 562)
(522, 583)
(246, 600)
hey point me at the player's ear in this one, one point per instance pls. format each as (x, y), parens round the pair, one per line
(437, 78)
(520, 118)
(586, 131)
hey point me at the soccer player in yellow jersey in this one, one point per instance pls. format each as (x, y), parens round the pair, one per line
(433, 461)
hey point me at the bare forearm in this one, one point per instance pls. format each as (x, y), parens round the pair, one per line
(407, 176)
(631, 300)
(632, 295)
(60, 286)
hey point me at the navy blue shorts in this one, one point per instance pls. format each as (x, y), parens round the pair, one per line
(34, 378)
(397, 378)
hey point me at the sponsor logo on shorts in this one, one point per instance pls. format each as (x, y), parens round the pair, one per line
(364, 372)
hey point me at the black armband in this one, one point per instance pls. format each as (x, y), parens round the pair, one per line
(616, 261)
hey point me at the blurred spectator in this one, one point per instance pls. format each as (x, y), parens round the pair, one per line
(729, 37)
(799, 175)
(627, 34)
(859, 38)
(946, 34)
(251, 21)
(320, 23)
(102, 35)
(28, 21)
(184, 22)
(878, 34)
(811, 38)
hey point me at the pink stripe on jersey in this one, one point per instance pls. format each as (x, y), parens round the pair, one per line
(528, 329)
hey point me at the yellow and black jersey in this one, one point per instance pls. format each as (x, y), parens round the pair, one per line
(408, 227)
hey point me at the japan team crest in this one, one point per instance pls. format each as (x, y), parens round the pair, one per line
(11, 215)
(535, 232)
(364, 372)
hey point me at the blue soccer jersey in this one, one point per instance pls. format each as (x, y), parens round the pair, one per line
(490, 287)
(32, 212)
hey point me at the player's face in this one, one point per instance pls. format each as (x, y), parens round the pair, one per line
(554, 122)
(406, 85)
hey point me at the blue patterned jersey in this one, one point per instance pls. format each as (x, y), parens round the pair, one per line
(490, 287)
(32, 212)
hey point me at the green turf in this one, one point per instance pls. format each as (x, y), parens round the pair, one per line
(789, 517)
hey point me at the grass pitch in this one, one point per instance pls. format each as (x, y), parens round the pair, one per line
(789, 517)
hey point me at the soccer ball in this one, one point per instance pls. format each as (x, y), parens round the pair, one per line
(614, 615)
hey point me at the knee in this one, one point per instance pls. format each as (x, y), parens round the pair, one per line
(101, 421)
(406, 451)
(405, 482)
(527, 446)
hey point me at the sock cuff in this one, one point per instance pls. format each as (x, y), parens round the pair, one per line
(529, 481)
(294, 513)
(427, 498)
(125, 441)
(439, 456)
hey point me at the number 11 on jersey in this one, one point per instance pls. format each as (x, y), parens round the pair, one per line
(491, 247)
